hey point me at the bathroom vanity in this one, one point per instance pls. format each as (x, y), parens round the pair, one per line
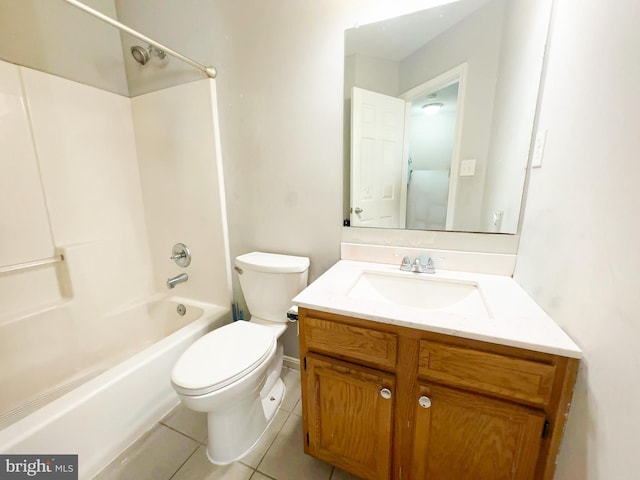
(475, 385)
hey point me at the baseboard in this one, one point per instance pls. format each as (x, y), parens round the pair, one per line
(291, 362)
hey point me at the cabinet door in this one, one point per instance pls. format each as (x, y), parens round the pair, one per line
(350, 414)
(466, 436)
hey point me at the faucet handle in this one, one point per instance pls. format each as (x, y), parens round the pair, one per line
(405, 265)
(423, 264)
(181, 255)
(429, 267)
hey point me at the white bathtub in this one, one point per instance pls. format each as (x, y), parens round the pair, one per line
(100, 418)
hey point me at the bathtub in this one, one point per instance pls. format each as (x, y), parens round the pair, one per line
(102, 416)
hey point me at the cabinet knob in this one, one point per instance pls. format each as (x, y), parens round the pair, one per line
(385, 393)
(424, 401)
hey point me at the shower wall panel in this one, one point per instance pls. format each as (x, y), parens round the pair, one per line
(24, 222)
(178, 146)
(70, 185)
(86, 147)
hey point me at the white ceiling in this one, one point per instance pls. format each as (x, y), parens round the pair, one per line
(397, 38)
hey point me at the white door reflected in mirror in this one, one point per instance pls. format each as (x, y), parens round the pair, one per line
(377, 133)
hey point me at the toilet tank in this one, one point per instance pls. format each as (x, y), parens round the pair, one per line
(269, 281)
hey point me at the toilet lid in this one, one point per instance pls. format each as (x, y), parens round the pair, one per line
(221, 357)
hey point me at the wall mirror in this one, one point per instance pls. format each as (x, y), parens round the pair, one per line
(439, 115)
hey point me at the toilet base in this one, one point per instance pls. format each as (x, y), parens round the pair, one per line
(252, 418)
(273, 399)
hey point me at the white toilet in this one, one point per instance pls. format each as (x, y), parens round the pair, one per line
(233, 372)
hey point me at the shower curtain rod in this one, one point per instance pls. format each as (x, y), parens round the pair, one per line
(209, 71)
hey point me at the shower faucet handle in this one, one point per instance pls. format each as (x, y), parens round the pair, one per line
(181, 255)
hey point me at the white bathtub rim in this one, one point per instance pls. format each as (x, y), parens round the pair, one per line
(17, 432)
(155, 298)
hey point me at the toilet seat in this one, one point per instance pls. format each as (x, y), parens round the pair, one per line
(221, 357)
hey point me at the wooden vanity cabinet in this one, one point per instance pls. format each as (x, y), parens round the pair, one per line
(352, 422)
(465, 436)
(389, 402)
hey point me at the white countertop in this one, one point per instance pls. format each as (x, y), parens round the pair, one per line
(514, 318)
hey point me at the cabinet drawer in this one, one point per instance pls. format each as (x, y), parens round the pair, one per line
(351, 342)
(503, 375)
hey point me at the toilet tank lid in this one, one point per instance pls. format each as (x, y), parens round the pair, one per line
(272, 262)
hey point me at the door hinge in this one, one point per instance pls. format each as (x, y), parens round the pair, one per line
(545, 429)
(307, 439)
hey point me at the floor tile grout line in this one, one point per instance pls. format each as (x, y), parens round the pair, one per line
(263, 474)
(270, 444)
(266, 475)
(182, 433)
(184, 463)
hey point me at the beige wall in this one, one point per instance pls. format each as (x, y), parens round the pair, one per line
(579, 255)
(54, 37)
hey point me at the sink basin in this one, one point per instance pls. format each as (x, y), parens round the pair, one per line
(420, 291)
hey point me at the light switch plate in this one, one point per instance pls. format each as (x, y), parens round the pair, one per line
(538, 149)
(468, 167)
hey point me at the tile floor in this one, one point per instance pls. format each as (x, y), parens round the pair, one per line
(174, 449)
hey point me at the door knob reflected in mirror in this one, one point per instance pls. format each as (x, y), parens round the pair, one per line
(424, 401)
(385, 393)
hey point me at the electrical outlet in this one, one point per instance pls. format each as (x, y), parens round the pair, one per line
(497, 218)
(468, 167)
(538, 149)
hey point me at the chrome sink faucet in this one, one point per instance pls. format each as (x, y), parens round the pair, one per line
(419, 265)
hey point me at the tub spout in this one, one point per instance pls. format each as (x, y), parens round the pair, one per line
(173, 281)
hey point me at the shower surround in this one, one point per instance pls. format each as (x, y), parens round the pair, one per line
(110, 183)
